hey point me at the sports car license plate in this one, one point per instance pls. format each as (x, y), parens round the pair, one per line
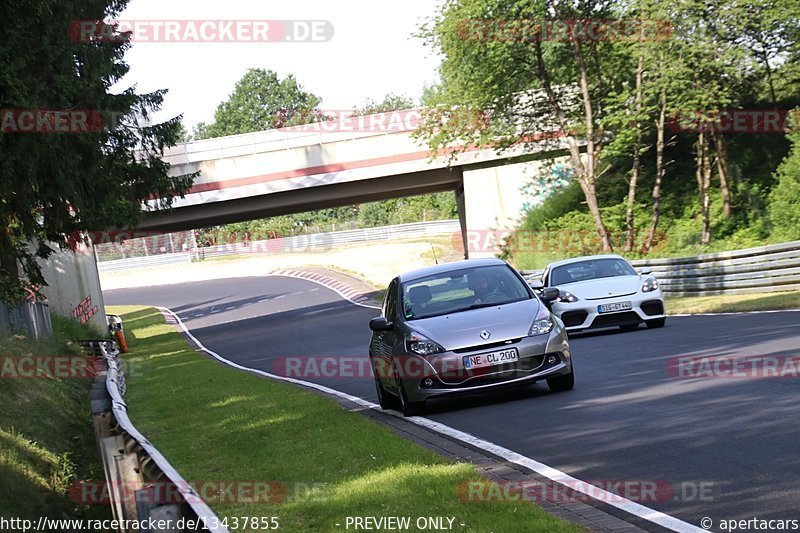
(500, 357)
(611, 308)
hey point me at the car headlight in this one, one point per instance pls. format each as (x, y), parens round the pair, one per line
(567, 297)
(421, 345)
(542, 323)
(649, 285)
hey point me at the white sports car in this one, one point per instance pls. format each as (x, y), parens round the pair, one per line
(601, 291)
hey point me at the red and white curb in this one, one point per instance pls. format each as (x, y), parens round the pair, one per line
(342, 289)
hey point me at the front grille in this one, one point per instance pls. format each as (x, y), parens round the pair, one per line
(653, 307)
(489, 375)
(498, 344)
(612, 296)
(573, 318)
(616, 319)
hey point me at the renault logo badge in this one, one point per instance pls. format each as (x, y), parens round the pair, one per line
(485, 335)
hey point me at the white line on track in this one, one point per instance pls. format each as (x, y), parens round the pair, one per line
(636, 509)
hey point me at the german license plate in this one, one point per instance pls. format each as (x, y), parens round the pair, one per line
(612, 308)
(500, 357)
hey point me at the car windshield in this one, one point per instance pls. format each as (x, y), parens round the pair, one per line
(461, 290)
(590, 269)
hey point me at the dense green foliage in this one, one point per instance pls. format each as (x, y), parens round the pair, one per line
(261, 101)
(767, 206)
(784, 200)
(91, 175)
(654, 169)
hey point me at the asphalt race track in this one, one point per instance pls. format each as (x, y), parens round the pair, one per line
(727, 448)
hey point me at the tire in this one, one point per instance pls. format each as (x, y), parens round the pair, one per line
(562, 383)
(657, 323)
(409, 408)
(386, 399)
(404, 405)
(629, 327)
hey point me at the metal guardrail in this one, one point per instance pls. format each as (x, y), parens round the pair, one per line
(773, 268)
(32, 317)
(294, 244)
(140, 482)
(317, 241)
(143, 262)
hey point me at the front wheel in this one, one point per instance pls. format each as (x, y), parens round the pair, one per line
(562, 383)
(657, 323)
(385, 399)
(407, 407)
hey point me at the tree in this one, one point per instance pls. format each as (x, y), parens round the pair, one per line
(390, 102)
(503, 59)
(96, 174)
(262, 101)
(784, 199)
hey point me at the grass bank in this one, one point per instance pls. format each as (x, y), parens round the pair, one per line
(46, 437)
(324, 463)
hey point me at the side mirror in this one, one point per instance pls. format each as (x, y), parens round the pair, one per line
(380, 324)
(536, 284)
(549, 294)
(645, 271)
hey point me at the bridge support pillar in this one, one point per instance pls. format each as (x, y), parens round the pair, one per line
(495, 199)
(462, 216)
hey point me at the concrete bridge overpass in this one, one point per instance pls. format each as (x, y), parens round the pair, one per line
(278, 172)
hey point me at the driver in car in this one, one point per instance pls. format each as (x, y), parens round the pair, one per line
(485, 290)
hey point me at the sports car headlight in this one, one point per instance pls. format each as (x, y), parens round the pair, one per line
(567, 297)
(649, 285)
(542, 323)
(421, 345)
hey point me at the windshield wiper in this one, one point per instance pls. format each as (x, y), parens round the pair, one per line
(484, 304)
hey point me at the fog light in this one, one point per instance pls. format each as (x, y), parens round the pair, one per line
(552, 360)
(428, 382)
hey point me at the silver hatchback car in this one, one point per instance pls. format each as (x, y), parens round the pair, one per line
(467, 326)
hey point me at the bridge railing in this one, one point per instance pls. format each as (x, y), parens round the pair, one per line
(772, 268)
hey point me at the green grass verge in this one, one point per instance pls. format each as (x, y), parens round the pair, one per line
(215, 423)
(46, 437)
(733, 303)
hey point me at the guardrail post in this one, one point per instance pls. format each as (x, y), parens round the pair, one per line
(171, 514)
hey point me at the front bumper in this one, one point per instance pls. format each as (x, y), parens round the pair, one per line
(540, 357)
(584, 314)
